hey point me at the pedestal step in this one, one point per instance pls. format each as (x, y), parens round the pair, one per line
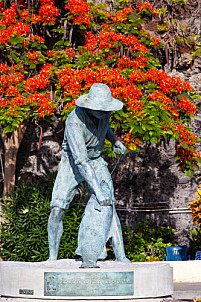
(64, 280)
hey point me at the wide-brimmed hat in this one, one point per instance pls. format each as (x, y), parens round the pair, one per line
(99, 98)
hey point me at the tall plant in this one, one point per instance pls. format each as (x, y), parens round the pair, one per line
(52, 52)
(195, 207)
(24, 229)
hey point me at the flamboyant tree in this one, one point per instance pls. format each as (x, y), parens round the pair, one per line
(52, 52)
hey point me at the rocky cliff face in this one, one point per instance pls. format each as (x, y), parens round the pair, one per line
(179, 29)
(154, 188)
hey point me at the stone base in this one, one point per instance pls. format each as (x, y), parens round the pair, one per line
(64, 280)
(5, 299)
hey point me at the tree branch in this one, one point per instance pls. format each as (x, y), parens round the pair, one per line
(65, 25)
(17, 8)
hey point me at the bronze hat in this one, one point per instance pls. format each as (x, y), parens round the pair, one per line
(99, 98)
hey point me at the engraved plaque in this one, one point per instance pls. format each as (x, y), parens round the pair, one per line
(88, 284)
(26, 292)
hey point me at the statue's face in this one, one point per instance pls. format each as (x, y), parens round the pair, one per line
(99, 114)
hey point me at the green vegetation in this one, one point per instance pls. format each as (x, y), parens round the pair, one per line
(147, 243)
(195, 207)
(24, 234)
(24, 230)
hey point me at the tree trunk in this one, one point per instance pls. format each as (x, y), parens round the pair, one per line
(11, 143)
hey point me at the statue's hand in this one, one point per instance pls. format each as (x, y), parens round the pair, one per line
(119, 148)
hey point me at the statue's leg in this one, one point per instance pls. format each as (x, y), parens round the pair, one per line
(89, 261)
(55, 230)
(117, 240)
(63, 193)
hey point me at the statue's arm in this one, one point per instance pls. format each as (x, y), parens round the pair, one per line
(111, 136)
(75, 137)
(89, 175)
(117, 145)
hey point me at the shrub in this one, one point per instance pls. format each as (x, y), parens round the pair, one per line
(147, 244)
(24, 234)
(196, 235)
(195, 207)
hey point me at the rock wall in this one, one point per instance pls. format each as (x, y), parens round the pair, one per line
(147, 184)
(156, 182)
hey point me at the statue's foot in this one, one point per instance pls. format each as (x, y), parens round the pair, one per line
(89, 264)
(124, 259)
(51, 259)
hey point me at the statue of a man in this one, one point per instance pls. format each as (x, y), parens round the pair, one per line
(86, 129)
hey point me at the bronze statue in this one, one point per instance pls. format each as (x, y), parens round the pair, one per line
(86, 129)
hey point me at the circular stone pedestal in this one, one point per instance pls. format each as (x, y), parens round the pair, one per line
(64, 280)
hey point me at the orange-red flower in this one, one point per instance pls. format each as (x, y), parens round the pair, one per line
(122, 15)
(79, 12)
(187, 106)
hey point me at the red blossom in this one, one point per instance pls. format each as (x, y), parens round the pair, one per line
(80, 12)
(130, 142)
(3, 103)
(9, 16)
(25, 15)
(122, 15)
(166, 103)
(37, 82)
(17, 102)
(46, 2)
(186, 106)
(35, 18)
(12, 91)
(187, 156)
(69, 53)
(42, 104)
(48, 13)
(33, 56)
(146, 6)
(156, 41)
(1, 6)
(185, 135)
(5, 69)
(137, 77)
(35, 38)
(138, 63)
(90, 41)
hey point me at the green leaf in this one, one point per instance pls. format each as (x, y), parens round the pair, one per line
(32, 66)
(179, 96)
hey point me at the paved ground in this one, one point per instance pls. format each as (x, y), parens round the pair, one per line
(187, 291)
(105, 300)
(183, 292)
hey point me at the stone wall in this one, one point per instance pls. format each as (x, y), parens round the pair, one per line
(147, 184)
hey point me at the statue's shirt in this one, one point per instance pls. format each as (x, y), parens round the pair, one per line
(83, 138)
